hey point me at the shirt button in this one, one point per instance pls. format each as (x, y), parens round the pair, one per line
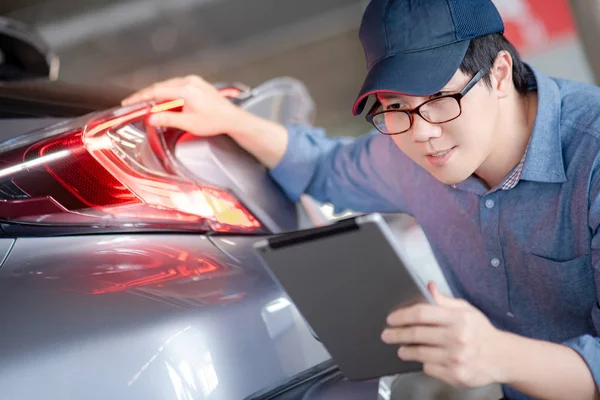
(510, 315)
(489, 203)
(495, 262)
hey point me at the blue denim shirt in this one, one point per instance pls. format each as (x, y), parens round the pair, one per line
(528, 257)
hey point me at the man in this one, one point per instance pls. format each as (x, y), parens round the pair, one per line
(499, 164)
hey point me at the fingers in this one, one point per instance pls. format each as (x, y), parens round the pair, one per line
(420, 314)
(176, 120)
(440, 299)
(155, 92)
(445, 301)
(437, 364)
(158, 93)
(425, 335)
(423, 354)
(144, 94)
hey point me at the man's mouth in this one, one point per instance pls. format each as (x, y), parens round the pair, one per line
(439, 158)
(440, 153)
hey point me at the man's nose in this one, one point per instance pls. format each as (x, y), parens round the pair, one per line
(423, 131)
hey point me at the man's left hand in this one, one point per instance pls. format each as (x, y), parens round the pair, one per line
(455, 341)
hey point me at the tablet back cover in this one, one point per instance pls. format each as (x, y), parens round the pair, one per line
(345, 284)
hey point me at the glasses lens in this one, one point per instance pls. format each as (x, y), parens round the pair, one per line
(392, 122)
(441, 110)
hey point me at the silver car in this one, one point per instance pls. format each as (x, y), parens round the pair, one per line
(126, 262)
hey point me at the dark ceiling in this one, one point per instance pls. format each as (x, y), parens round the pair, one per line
(106, 38)
(135, 42)
(132, 43)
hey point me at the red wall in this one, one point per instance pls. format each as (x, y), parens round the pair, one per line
(535, 25)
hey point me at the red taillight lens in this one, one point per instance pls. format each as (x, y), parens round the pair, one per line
(112, 169)
(83, 176)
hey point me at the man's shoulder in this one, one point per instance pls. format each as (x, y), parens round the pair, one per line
(580, 126)
(579, 106)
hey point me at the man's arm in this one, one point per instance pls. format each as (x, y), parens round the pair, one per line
(545, 370)
(362, 175)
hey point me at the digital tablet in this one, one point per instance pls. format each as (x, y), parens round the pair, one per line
(345, 279)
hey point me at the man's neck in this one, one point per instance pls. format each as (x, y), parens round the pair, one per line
(514, 129)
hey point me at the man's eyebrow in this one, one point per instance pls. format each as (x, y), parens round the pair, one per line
(379, 96)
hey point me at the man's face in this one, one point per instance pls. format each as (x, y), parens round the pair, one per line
(454, 150)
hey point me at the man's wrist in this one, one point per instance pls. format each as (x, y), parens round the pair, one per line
(504, 356)
(246, 125)
(264, 139)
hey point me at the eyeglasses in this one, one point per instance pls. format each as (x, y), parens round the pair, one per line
(439, 110)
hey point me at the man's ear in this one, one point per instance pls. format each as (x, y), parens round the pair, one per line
(501, 74)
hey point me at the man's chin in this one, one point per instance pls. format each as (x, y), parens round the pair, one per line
(451, 179)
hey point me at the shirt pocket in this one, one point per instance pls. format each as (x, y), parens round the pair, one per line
(566, 286)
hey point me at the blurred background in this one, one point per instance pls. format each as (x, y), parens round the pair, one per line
(132, 43)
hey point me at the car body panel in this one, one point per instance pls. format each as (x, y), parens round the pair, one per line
(216, 161)
(124, 316)
(43, 98)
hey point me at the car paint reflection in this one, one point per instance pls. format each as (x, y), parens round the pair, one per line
(140, 266)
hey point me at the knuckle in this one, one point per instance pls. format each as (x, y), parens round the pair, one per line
(429, 369)
(192, 79)
(463, 337)
(464, 318)
(461, 376)
(161, 118)
(188, 91)
(151, 92)
(420, 313)
(156, 119)
(419, 352)
(415, 334)
(458, 358)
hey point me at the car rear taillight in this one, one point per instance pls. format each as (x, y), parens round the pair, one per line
(112, 169)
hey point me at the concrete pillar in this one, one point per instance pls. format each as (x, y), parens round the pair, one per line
(586, 14)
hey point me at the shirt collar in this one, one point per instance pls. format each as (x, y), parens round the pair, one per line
(515, 175)
(544, 161)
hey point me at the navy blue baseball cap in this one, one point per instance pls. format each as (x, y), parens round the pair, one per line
(415, 47)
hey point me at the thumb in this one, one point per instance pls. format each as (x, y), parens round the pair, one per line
(439, 298)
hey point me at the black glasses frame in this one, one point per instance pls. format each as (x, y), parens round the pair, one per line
(417, 110)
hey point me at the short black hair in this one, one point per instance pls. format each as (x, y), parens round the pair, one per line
(482, 53)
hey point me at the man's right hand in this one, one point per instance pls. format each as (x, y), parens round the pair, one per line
(205, 112)
(208, 113)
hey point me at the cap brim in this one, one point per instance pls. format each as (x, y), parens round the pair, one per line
(418, 74)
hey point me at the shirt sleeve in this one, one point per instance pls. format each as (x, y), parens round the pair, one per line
(350, 173)
(588, 346)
